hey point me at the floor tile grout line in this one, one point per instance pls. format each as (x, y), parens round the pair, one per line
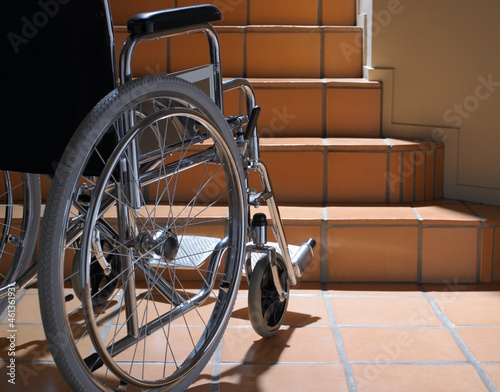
(414, 363)
(217, 370)
(339, 344)
(460, 342)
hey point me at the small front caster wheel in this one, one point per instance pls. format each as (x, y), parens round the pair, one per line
(266, 310)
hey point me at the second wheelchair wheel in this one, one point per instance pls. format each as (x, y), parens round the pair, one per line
(154, 174)
(266, 310)
(19, 223)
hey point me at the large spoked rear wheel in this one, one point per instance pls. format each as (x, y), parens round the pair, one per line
(146, 222)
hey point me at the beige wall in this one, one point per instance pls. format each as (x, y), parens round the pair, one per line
(440, 64)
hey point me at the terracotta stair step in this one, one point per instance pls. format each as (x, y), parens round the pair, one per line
(331, 170)
(444, 241)
(312, 170)
(436, 242)
(244, 12)
(315, 107)
(252, 51)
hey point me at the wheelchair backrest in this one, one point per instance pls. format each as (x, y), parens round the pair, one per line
(57, 63)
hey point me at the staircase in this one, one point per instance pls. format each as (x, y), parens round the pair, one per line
(375, 205)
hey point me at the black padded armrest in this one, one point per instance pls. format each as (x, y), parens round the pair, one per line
(152, 22)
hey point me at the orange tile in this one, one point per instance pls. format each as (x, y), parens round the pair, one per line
(353, 112)
(383, 214)
(148, 57)
(357, 177)
(283, 377)
(30, 343)
(301, 215)
(234, 12)
(287, 345)
(233, 103)
(404, 378)
(303, 312)
(471, 311)
(439, 173)
(372, 254)
(382, 345)
(357, 144)
(429, 176)
(28, 309)
(374, 289)
(411, 144)
(496, 257)
(449, 253)
(408, 175)
(488, 213)
(300, 183)
(482, 342)
(486, 254)
(283, 12)
(384, 311)
(181, 59)
(343, 52)
(283, 52)
(446, 212)
(352, 83)
(291, 143)
(290, 111)
(240, 317)
(122, 11)
(420, 182)
(339, 13)
(39, 376)
(394, 180)
(231, 51)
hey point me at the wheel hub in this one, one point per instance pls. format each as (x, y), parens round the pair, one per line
(162, 243)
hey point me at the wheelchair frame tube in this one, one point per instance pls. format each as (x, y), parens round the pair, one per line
(214, 47)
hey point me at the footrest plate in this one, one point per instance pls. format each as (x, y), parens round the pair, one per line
(193, 252)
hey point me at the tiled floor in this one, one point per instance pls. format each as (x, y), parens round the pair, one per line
(337, 337)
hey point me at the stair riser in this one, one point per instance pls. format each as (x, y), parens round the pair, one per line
(284, 52)
(256, 12)
(378, 176)
(321, 174)
(414, 253)
(399, 244)
(318, 110)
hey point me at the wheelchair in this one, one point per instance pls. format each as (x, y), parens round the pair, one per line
(147, 229)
